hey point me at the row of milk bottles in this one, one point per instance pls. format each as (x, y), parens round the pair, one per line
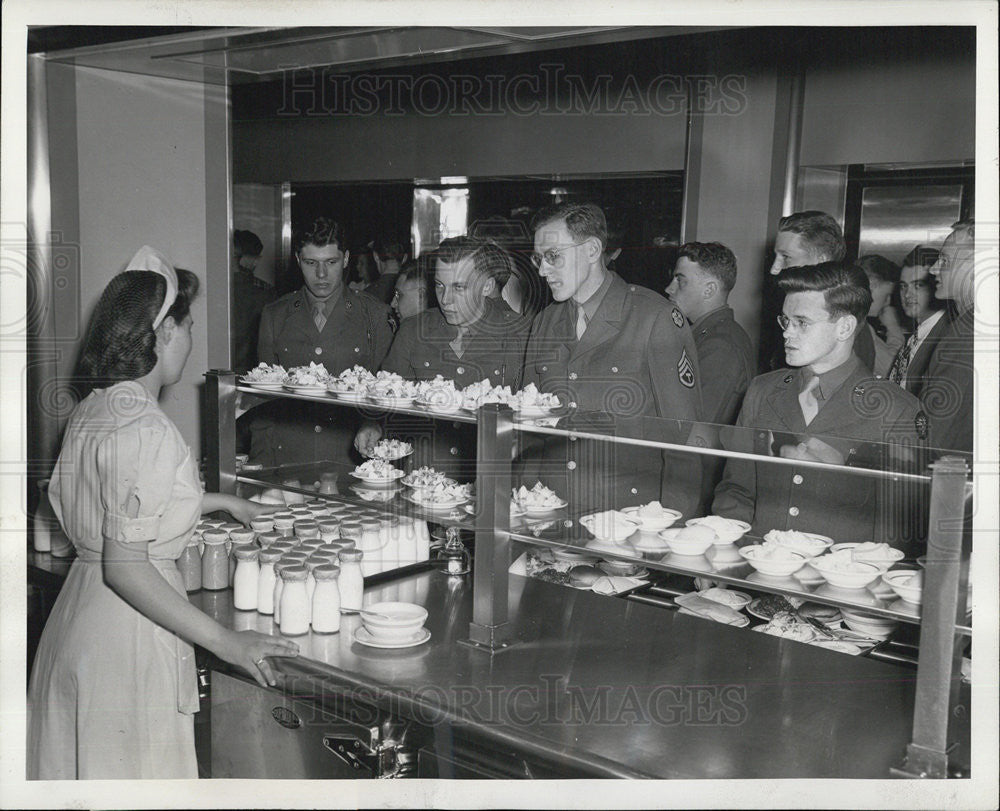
(304, 565)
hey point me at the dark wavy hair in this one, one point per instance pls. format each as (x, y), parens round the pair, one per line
(322, 232)
(820, 230)
(844, 287)
(120, 343)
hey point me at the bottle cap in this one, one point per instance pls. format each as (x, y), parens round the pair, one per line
(270, 555)
(245, 552)
(262, 524)
(326, 571)
(242, 535)
(320, 557)
(370, 526)
(214, 537)
(294, 573)
(350, 529)
(351, 555)
(270, 538)
(230, 526)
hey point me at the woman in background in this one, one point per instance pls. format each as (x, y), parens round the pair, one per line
(113, 688)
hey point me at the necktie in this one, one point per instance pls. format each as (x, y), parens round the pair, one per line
(808, 401)
(319, 317)
(581, 322)
(457, 345)
(897, 373)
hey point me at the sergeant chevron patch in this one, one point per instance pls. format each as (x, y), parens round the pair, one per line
(685, 371)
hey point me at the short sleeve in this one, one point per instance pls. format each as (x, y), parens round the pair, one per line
(137, 465)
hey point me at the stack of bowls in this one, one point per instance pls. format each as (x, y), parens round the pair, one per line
(875, 627)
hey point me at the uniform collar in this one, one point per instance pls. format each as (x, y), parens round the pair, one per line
(328, 305)
(723, 313)
(591, 305)
(830, 380)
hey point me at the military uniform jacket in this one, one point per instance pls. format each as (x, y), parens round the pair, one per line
(636, 359)
(847, 507)
(493, 349)
(357, 331)
(726, 362)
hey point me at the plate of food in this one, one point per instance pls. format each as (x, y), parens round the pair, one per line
(477, 394)
(266, 377)
(438, 395)
(377, 471)
(391, 449)
(311, 379)
(766, 607)
(806, 543)
(538, 501)
(530, 403)
(425, 477)
(392, 389)
(351, 384)
(652, 517)
(441, 496)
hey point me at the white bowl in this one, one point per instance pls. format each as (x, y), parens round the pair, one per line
(690, 541)
(893, 556)
(857, 578)
(780, 567)
(876, 627)
(610, 525)
(807, 543)
(729, 532)
(897, 582)
(652, 524)
(405, 619)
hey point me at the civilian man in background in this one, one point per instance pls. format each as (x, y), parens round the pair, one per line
(470, 336)
(804, 238)
(389, 256)
(703, 276)
(324, 322)
(250, 294)
(413, 291)
(948, 393)
(613, 350)
(827, 408)
(926, 315)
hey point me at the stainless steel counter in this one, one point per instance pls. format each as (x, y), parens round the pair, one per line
(606, 687)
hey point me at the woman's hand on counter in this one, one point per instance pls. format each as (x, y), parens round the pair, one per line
(249, 650)
(240, 509)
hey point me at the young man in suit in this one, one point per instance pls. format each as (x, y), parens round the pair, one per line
(827, 408)
(622, 359)
(326, 322)
(927, 314)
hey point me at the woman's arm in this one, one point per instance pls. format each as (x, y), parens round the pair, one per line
(239, 508)
(129, 573)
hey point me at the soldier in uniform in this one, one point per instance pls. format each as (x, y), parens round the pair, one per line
(325, 322)
(470, 336)
(616, 355)
(829, 408)
(703, 276)
(250, 294)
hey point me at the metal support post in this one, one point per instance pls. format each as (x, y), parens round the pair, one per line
(220, 433)
(943, 605)
(489, 627)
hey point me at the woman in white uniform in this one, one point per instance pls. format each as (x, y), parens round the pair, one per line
(113, 689)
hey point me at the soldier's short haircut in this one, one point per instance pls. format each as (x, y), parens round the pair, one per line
(583, 220)
(713, 258)
(819, 230)
(487, 257)
(844, 287)
(322, 232)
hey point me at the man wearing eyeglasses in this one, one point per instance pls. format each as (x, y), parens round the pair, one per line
(616, 355)
(322, 322)
(470, 336)
(828, 408)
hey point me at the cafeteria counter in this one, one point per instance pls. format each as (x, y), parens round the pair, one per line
(591, 687)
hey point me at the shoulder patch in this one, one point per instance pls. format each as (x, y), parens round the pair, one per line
(678, 317)
(788, 378)
(920, 423)
(685, 371)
